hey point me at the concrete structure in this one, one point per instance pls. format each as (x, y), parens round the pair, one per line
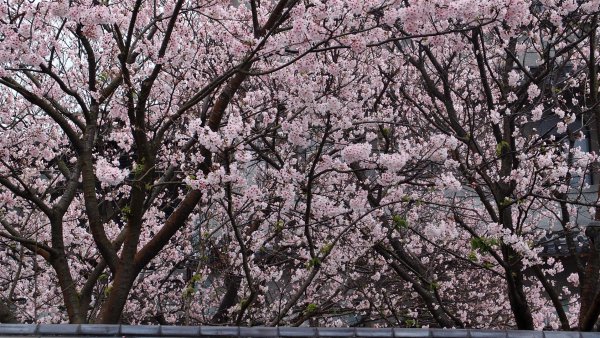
(97, 330)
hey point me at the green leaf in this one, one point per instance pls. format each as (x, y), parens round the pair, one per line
(279, 226)
(196, 278)
(472, 256)
(400, 222)
(107, 290)
(188, 292)
(483, 244)
(326, 249)
(411, 323)
(126, 211)
(505, 202)
(502, 148)
(138, 169)
(311, 308)
(314, 262)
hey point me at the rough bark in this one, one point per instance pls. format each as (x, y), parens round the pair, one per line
(7, 314)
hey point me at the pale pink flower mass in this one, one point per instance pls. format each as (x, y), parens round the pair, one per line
(395, 163)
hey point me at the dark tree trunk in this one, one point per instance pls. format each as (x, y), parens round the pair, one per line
(232, 285)
(7, 314)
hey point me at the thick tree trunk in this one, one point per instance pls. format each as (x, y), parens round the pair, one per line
(7, 314)
(111, 311)
(232, 285)
(513, 273)
(590, 293)
(516, 295)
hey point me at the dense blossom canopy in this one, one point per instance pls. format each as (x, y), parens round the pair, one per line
(321, 162)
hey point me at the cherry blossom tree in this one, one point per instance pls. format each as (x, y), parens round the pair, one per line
(520, 164)
(289, 162)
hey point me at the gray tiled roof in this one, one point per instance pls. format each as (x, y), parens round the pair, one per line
(98, 330)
